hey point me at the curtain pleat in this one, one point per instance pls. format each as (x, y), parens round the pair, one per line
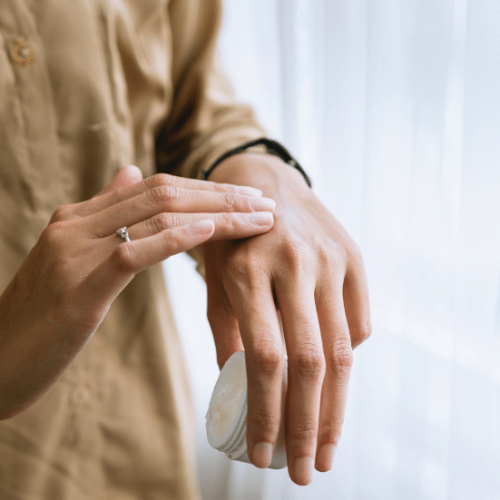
(393, 107)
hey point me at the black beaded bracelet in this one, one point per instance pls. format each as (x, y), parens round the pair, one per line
(272, 147)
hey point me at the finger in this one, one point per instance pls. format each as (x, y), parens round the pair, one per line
(338, 355)
(129, 258)
(199, 185)
(356, 300)
(223, 322)
(126, 177)
(117, 191)
(173, 199)
(306, 369)
(253, 304)
(229, 225)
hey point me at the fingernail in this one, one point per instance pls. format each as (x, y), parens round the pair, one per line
(261, 218)
(303, 470)
(325, 457)
(262, 454)
(262, 204)
(201, 228)
(249, 191)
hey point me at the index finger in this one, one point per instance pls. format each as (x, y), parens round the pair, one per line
(109, 198)
(253, 305)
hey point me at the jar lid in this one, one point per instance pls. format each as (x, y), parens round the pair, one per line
(227, 412)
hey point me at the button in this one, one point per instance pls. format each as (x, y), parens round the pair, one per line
(81, 397)
(22, 53)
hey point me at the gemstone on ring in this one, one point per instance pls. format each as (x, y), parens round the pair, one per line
(122, 232)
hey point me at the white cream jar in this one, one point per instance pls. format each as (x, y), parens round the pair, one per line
(227, 414)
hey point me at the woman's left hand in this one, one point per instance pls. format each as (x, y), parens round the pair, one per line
(309, 269)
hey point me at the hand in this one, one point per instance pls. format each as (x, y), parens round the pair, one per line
(63, 290)
(309, 270)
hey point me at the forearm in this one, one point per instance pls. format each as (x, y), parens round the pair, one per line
(34, 348)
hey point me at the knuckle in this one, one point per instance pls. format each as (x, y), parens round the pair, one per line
(341, 359)
(122, 259)
(52, 247)
(309, 364)
(328, 253)
(263, 421)
(162, 180)
(52, 235)
(267, 360)
(305, 431)
(164, 195)
(333, 424)
(362, 332)
(355, 254)
(331, 429)
(225, 220)
(238, 263)
(61, 213)
(164, 221)
(296, 256)
(229, 201)
(241, 270)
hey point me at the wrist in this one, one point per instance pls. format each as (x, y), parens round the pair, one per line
(260, 170)
(265, 145)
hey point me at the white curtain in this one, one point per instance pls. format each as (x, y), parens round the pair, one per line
(393, 107)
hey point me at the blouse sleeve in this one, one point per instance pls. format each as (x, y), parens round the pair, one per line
(205, 119)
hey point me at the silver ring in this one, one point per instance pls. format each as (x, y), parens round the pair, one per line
(122, 232)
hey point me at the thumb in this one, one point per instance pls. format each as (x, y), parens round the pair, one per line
(127, 176)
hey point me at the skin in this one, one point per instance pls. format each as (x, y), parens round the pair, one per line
(309, 271)
(61, 293)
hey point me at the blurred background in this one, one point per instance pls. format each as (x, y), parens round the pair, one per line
(393, 108)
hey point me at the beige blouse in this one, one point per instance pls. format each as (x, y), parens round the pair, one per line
(87, 87)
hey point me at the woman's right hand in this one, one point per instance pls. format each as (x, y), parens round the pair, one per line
(61, 293)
